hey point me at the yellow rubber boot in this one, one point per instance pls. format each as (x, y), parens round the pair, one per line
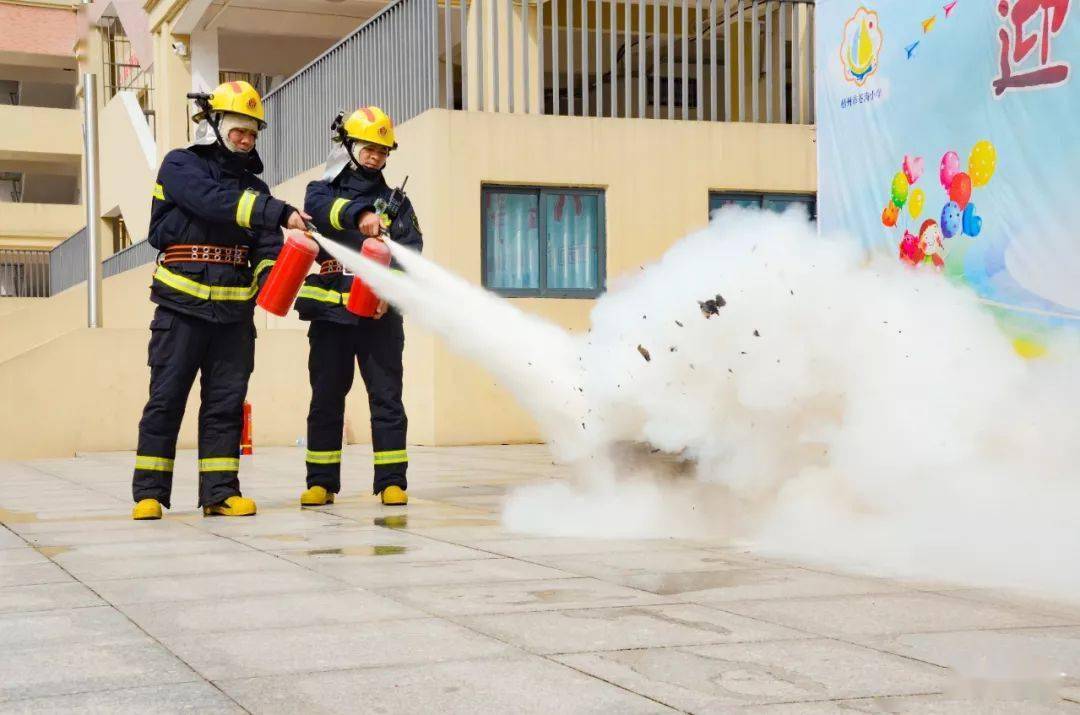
(394, 496)
(146, 509)
(233, 506)
(316, 496)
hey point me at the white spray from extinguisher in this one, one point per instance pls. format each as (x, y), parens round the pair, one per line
(834, 409)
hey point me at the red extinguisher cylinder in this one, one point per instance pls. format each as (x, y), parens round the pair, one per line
(362, 300)
(245, 434)
(287, 276)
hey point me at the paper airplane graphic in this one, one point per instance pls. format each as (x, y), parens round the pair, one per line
(949, 8)
(910, 49)
(928, 24)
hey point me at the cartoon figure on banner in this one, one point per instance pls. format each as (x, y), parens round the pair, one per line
(958, 216)
(928, 247)
(861, 46)
(1019, 13)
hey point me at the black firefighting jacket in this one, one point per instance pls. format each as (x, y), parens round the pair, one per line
(210, 197)
(335, 208)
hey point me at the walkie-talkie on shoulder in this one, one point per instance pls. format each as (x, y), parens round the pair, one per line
(393, 207)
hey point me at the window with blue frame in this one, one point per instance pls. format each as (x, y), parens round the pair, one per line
(543, 242)
(769, 201)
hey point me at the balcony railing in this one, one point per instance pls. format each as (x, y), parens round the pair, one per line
(24, 273)
(700, 60)
(40, 274)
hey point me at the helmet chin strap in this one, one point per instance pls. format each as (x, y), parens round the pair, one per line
(214, 122)
(350, 147)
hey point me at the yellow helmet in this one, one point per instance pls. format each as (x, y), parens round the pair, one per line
(370, 124)
(239, 98)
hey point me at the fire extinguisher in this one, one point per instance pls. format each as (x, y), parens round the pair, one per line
(362, 300)
(245, 433)
(288, 274)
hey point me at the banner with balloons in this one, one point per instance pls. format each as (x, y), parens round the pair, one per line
(985, 93)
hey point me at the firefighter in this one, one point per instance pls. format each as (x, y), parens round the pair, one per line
(218, 230)
(350, 204)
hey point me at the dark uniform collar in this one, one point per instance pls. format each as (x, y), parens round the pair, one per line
(361, 180)
(231, 162)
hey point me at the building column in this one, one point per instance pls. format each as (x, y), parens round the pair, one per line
(489, 74)
(89, 50)
(802, 64)
(172, 82)
(205, 71)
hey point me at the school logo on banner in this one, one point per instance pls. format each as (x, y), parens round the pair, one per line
(860, 51)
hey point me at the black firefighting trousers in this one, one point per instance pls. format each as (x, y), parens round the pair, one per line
(224, 354)
(377, 346)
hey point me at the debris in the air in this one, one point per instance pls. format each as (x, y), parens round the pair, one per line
(678, 323)
(712, 306)
(673, 349)
(757, 334)
(644, 317)
(644, 353)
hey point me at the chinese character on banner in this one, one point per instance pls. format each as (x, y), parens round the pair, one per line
(1022, 45)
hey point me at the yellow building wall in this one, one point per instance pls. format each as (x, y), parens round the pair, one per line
(39, 226)
(40, 134)
(128, 166)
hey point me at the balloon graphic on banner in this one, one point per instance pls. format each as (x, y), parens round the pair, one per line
(915, 203)
(950, 167)
(913, 168)
(889, 215)
(972, 224)
(960, 189)
(900, 188)
(951, 220)
(982, 162)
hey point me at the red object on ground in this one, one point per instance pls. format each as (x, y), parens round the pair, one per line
(287, 276)
(362, 300)
(245, 434)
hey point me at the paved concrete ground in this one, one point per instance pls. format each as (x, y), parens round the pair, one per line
(434, 608)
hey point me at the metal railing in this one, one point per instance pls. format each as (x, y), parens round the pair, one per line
(24, 273)
(135, 255)
(67, 263)
(123, 71)
(701, 60)
(390, 60)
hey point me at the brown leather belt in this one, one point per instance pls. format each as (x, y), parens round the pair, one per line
(228, 255)
(330, 266)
